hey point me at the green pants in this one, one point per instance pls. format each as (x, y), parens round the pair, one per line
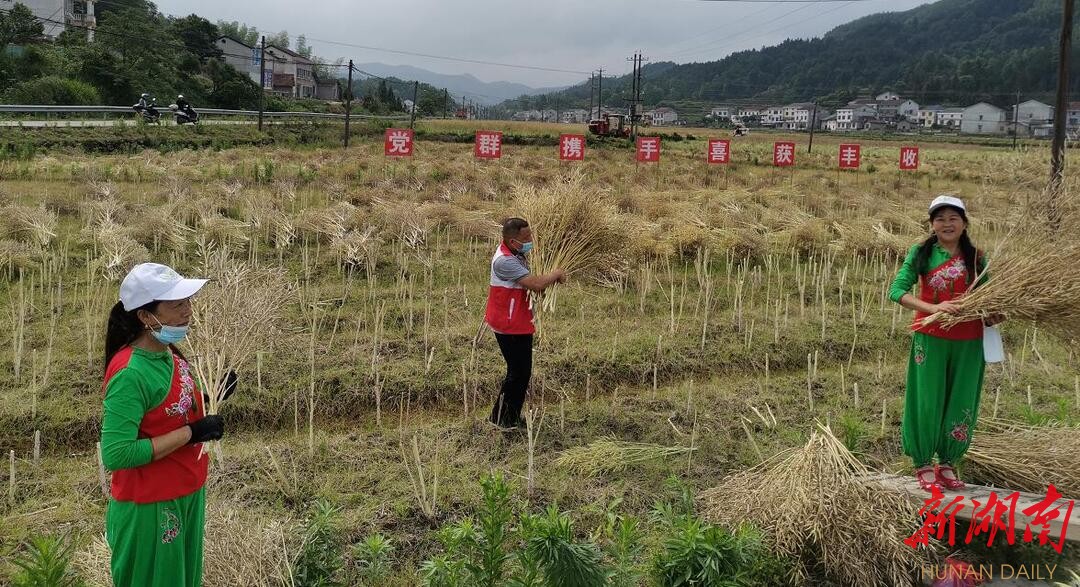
(157, 544)
(944, 383)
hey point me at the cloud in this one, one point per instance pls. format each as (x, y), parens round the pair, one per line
(560, 34)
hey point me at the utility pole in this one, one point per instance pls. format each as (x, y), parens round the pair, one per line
(633, 98)
(592, 93)
(600, 94)
(813, 123)
(412, 114)
(1016, 117)
(1057, 155)
(348, 105)
(445, 98)
(262, 81)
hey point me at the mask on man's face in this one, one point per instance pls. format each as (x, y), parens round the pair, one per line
(526, 247)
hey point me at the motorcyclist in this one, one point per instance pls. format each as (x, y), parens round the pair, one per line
(146, 101)
(184, 109)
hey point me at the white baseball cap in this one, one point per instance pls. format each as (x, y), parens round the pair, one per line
(946, 200)
(151, 282)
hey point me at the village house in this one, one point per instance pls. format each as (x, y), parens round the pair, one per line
(949, 118)
(772, 116)
(242, 57)
(722, 113)
(292, 74)
(575, 116)
(1072, 116)
(57, 15)
(854, 117)
(983, 119)
(927, 115)
(663, 116)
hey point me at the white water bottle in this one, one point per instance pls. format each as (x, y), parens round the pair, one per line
(993, 347)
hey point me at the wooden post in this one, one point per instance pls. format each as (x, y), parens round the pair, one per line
(37, 447)
(348, 105)
(262, 82)
(1057, 154)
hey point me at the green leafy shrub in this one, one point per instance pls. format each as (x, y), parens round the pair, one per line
(372, 556)
(319, 562)
(54, 90)
(47, 563)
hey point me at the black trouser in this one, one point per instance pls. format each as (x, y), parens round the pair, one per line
(517, 350)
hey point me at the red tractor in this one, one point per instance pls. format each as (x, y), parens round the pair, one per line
(610, 125)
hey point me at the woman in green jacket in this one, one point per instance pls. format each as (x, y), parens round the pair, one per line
(151, 431)
(945, 367)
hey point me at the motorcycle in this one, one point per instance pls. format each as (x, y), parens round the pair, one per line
(185, 115)
(149, 112)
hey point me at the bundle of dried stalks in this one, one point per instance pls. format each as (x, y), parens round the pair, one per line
(356, 248)
(1025, 458)
(868, 239)
(403, 220)
(226, 232)
(15, 255)
(118, 252)
(1039, 282)
(234, 315)
(573, 228)
(609, 454)
(816, 509)
(241, 547)
(29, 224)
(158, 226)
(329, 222)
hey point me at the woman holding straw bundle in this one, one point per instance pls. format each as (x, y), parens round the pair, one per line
(509, 315)
(151, 432)
(946, 365)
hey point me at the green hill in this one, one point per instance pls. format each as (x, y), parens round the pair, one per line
(951, 52)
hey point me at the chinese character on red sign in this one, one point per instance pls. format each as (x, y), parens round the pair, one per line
(572, 147)
(648, 149)
(719, 151)
(783, 154)
(997, 515)
(398, 143)
(909, 158)
(488, 144)
(850, 156)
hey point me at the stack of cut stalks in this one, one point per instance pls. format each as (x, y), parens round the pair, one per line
(1025, 458)
(816, 508)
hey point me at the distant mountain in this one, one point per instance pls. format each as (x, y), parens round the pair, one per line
(487, 93)
(950, 52)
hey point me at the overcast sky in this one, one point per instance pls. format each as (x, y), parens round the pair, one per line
(575, 35)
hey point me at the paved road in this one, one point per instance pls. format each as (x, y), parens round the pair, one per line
(112, 122)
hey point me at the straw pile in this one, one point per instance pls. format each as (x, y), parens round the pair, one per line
(574, 229)
(816, 510)
(234, 316)
(1033, 275)
(1025, 458)
(609, 454)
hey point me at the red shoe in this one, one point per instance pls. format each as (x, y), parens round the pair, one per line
(927, 478)
(946, 477)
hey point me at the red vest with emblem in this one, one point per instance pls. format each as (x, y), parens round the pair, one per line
(180, 473)
(946, 283)
(508, 307)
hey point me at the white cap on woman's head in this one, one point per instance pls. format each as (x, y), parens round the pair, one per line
(151, 282)
(946, 200)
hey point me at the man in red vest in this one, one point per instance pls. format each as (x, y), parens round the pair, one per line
(509, 314)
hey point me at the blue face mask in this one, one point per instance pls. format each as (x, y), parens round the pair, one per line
(169, 334)
(526, 247)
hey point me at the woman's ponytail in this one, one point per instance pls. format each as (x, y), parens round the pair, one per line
(123, 328)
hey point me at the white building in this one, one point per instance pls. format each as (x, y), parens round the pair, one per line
(853, 117)
(57, 15)
(887, 96)
(292, 74)
(748, 111)
(983, 119)
(575, 116)
(1072, 115)
(663, 116)
(908, 109)
(1033, 112)
(772, 116)
(722, 112)
(927, 115)
(949, 118)
(243, 57)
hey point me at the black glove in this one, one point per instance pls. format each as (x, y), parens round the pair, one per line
(208, 428)
(229, 387)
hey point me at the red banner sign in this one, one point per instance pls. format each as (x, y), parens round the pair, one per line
(719, 151)
(783, 154)
(398, 142)
(909, 158)
(850, 155)
(571, 147)
(648, 149)
(488, 144)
